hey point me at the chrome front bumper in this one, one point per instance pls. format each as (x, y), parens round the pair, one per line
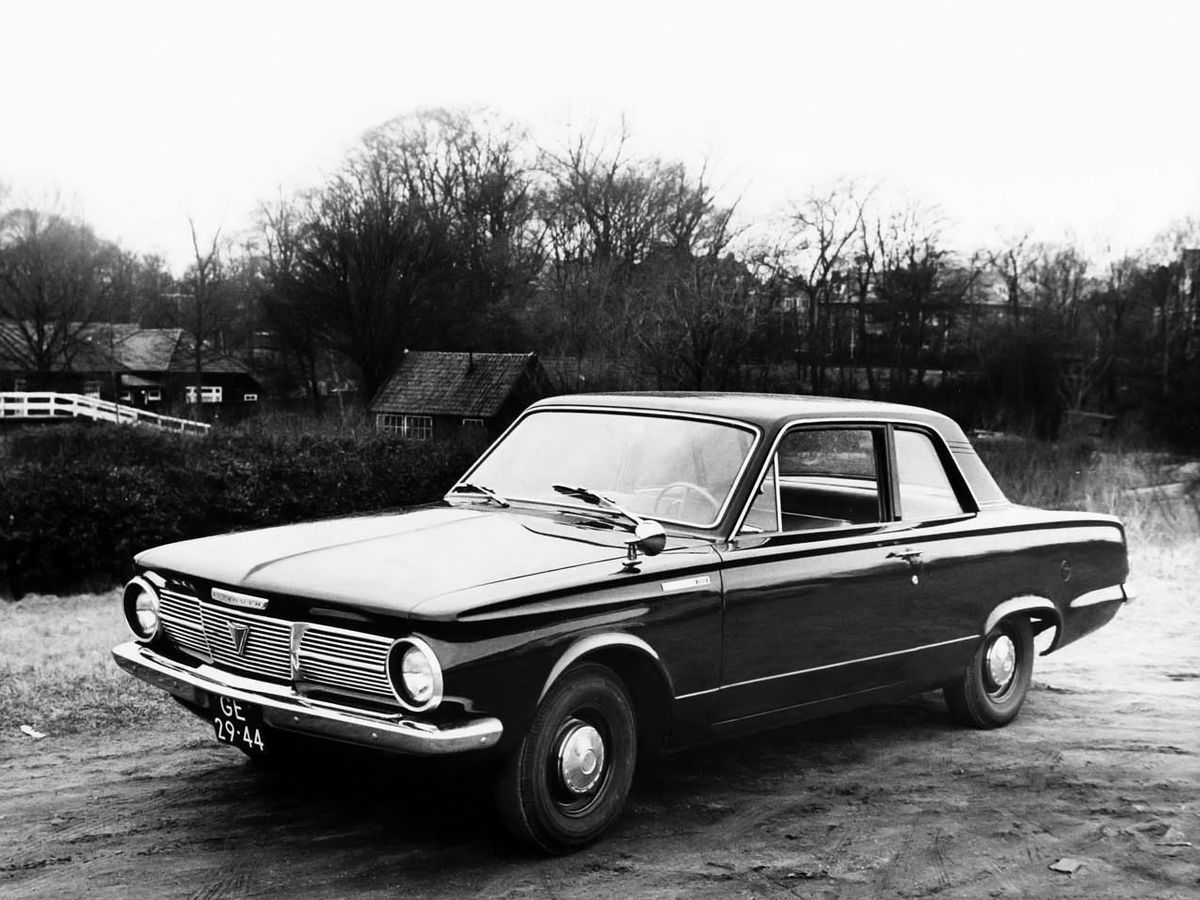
(286, 710)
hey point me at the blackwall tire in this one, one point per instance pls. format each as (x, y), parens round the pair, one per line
(992, 690)
(567, 782)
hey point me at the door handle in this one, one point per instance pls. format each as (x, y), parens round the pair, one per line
(912, 557)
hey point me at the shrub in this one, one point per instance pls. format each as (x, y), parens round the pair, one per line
(77, 502)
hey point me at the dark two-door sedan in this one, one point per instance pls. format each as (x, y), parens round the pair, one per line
(630, 573)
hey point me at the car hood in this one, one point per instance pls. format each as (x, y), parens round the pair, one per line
(394, 562)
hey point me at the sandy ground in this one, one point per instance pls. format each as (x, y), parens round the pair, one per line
(1101, 771)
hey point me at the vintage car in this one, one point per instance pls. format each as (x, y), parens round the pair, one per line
(624, 574)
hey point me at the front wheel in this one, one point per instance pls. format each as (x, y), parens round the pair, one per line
(990, 693)
(567, 782)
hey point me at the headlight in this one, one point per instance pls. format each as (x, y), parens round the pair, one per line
(415, 675)
(141, 610)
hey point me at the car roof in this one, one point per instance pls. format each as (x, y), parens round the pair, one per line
(764, 410)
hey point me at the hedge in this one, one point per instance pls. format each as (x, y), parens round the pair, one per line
(77, 502)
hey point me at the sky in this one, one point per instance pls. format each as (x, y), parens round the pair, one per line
(1058, 119)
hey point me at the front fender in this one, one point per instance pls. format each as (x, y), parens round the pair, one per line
(595, 643)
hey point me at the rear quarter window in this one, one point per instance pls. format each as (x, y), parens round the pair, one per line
(926, 491)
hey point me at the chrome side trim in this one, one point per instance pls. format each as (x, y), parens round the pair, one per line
(1112, 593)
(1027, 603)
(697, 694)
(286, 710)
(591, 644)
(849, 662)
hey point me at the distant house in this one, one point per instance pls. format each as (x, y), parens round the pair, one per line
(143, 367)
(433, 394)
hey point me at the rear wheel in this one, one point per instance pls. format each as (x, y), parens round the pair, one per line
(990, 693)
(567, 782)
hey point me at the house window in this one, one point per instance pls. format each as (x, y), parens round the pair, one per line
(126, 397)
(472, 424)
(417, 428)
(153, 396)
(208, 393)
(250, 398)
(91, 388)
(20, 384)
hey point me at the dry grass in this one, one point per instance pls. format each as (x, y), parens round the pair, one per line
(1156, 495)
(56, 672)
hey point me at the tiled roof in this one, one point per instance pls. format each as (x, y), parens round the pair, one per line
(149, 350)
(124, 348)
(10, 348)
(184, 360)
(453, 384)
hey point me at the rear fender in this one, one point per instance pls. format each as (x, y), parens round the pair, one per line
(1037, 609)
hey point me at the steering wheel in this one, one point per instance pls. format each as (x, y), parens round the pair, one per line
(686, 490)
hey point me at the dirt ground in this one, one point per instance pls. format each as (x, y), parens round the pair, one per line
(1101, 772)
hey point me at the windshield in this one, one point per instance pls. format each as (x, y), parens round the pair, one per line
(669, 469)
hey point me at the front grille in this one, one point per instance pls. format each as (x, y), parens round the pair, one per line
(180, 611)
(268, 648)
(334, 659)
(345, 659)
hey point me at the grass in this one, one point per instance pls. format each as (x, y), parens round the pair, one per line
(1156, 495)
(56, 672)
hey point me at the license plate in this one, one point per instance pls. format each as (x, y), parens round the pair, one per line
(239, 723)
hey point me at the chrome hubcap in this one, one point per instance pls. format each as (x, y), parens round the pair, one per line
(1001, 661)
(580, 757)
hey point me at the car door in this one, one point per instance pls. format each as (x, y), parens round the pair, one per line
(825, 598)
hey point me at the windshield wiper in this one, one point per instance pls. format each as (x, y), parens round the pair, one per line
(479, 490)
(591, 497)
(648, 536)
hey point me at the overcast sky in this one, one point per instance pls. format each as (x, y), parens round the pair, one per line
(1047, 117)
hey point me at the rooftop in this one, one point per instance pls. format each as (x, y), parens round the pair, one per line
(432, 383)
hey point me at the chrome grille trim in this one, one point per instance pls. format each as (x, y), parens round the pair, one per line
(338, 658)
(316, 657)
(268, 648)
(180, 614)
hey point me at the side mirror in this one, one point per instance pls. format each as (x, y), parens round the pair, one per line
(649, 537)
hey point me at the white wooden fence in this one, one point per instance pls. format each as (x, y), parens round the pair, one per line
(45, 405)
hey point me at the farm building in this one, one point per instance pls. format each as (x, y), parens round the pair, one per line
(144, 367)
(438, 395)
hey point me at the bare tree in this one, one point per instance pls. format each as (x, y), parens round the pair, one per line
(1012, 263)
(921, 287)
(289, 310)
(823, 226)
(695, 321)
(608, 215)
(53, 286)
(206, 311)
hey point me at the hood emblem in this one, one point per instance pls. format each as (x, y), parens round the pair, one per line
(239, 633)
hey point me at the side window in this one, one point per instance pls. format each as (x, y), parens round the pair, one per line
(820, 478)
(926, 491)
(764, 511)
